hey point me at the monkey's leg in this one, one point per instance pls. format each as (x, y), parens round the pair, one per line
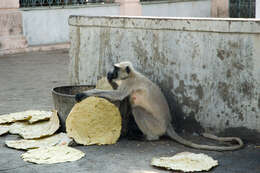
(149, 125)
(133, 131)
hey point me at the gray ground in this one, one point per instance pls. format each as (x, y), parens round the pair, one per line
(25, 83)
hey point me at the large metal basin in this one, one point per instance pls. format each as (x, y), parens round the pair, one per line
(64, 100)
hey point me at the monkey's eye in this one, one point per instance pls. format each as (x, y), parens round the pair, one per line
(127, 69)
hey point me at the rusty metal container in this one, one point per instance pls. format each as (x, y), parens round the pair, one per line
(64, 100)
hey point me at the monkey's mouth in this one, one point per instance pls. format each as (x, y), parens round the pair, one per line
(124, 78)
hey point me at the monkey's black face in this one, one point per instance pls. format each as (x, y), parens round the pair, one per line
(113, 74)
(118, 73)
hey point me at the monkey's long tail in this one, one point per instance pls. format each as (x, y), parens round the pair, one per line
(175, 136)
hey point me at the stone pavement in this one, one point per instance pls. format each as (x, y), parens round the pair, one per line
(26, 81)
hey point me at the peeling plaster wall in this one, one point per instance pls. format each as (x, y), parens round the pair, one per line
(209, 69)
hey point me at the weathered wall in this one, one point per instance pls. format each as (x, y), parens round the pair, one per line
(50, 25)
(207, 67)
(177, 8)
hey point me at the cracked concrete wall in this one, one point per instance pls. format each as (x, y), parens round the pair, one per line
(209, 69)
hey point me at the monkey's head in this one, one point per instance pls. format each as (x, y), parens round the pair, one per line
(121, 71)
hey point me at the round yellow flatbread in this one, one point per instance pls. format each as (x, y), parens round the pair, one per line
(94, 121)
(31, 115)
(186, 162)
(4, 128)
(36, 130)
(26, 144)
(54, 154)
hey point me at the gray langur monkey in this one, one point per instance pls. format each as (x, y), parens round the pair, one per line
(149, 106)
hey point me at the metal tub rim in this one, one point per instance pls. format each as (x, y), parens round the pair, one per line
(68, 86)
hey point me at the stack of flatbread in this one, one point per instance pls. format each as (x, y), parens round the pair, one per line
(37, 128)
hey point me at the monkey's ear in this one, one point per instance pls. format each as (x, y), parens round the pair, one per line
(127, 69)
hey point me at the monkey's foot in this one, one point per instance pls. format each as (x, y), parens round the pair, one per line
(152, 138)
(80, 96)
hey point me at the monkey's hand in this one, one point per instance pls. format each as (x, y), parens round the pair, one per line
(80, 96)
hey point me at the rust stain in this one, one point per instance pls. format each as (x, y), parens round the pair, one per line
(167, 82)
(194, 77)
(233, 44)
(239, 113)
(229, 73)
(238, 66)
(223, 89)
(259, 101)
(226, 95)
(157, 54)
(76, 58)
(177, 76)
(247, 89)
(199, 91)
(141, 52)
(220, 54)
(186, 100)
(195, 51)
(240, 116)
(180, 89)
(105, 50)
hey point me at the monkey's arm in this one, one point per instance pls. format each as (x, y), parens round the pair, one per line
(113, 84)
(112, 95)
